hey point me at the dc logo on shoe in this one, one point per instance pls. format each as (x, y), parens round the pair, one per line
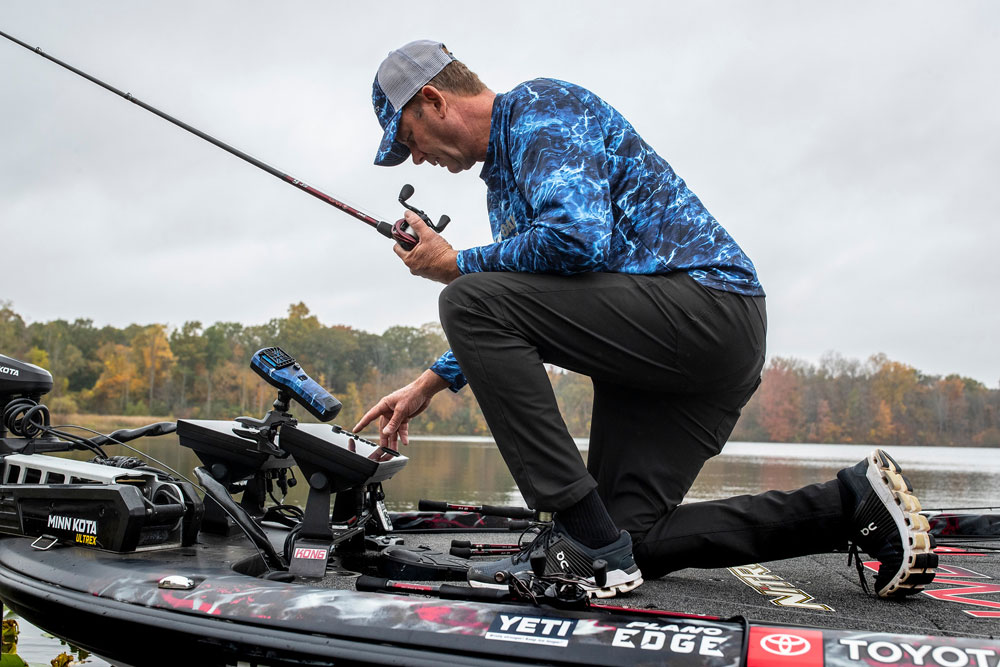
(785, 645)
(561, 558)
(869, 528)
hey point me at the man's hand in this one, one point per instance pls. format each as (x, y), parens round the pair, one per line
(433, 257)
(395, 410)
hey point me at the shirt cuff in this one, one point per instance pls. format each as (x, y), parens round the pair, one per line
(446, 367)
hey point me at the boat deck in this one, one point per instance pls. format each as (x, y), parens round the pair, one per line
(820, 591)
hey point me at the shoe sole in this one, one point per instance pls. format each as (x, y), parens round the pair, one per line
(623, 585)
(618, 582)
(894, 490)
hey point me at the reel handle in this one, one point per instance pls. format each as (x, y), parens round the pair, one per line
(537, 561)
(600, 572)
(401, 231)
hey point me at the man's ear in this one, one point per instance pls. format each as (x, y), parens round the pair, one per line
(435, 99)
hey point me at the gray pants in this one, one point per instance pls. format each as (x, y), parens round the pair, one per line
(672, 363)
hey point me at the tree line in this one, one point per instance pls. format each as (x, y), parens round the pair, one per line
(877, 401)
(197, 371)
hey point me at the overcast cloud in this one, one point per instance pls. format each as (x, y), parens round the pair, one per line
(851, 148)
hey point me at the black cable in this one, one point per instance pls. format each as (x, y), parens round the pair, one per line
(277, 503)
(26, 418)
(137, 451)
(286, 548)
(80, 442)
(286, 515)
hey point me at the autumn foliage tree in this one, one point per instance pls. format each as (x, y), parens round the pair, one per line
(781, 414)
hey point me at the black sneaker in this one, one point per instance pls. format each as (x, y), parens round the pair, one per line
(565, 555)
(886, 525)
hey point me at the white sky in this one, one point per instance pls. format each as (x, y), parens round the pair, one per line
(851, 148)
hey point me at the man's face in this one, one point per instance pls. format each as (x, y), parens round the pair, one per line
(433, 134)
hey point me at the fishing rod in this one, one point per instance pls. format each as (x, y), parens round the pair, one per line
(399, 231)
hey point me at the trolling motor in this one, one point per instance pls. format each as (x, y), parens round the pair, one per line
(112, 503)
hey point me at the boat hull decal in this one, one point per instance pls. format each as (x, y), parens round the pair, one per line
(780, 592)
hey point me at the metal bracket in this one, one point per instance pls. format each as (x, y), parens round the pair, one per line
(41, 546)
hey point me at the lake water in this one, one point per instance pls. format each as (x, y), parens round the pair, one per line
(470, 470)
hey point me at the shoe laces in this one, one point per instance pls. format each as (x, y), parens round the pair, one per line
(541, 539)
(853, 554)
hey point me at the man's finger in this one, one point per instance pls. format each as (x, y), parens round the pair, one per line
(412, 218)
(384, 438)
(366, 420)
(416, 222)
(397, 427)
(392, 425)
(370, 416)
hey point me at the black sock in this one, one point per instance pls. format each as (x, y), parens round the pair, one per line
(589, 522)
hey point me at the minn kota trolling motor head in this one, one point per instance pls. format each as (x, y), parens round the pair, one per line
(19, 378)
(21, 386)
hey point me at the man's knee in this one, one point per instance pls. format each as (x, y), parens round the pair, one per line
(461, 296)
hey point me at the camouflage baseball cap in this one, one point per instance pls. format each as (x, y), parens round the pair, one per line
(401, 76)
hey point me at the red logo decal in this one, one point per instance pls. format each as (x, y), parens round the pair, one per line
(785, 644)
(960, 592)
(311, 554)
(785, 647)
(956, 551)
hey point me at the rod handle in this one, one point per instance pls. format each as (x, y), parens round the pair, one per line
(490, 510)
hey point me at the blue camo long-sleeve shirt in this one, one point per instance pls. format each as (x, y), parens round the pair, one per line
(573, 188)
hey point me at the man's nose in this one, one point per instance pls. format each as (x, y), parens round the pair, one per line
(418, 157)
